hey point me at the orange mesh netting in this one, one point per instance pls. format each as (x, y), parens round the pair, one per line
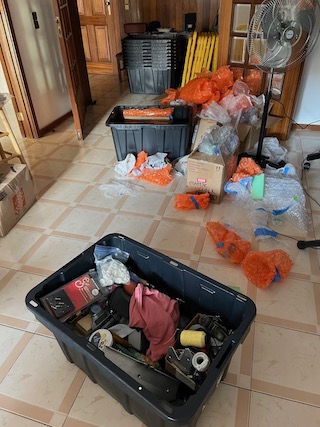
(263, 268)
(192, 201)
(228, 243)
(159, 177)
(148, 112)
(246, 167)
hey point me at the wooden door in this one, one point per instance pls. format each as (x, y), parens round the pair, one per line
(100, 33)
(68, 26)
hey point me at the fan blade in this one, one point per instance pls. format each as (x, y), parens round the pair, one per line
(277, 57)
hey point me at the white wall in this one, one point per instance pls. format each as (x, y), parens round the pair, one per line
(41, 57)
(308, 99)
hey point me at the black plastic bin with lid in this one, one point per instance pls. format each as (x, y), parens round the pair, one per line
(132, 136)
(153, 61)
(196, 293)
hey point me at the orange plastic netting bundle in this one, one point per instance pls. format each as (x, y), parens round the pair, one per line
(246, 167)
(157, 176)
(148, 112)
(228, 243)
(192, 201)
(263, 268)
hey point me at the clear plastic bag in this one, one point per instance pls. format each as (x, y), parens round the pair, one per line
(120, 188)
(110, 266)
(214, 111)
(284, 199)
(240, 88)
(219, 141)
(271, 149)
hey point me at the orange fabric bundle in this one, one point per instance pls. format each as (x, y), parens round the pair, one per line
(192, 201)
(263, 268)
(228, 243)
(246, 167)
(148, 112)
(159, 177)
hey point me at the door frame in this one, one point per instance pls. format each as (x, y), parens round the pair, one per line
(16, 79)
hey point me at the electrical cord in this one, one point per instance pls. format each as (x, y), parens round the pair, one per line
(293, 121)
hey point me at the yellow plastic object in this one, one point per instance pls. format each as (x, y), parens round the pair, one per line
(196, 57)
(215, 54)
(193, 338)
(187, 59)
(191, 57)
(210, 55)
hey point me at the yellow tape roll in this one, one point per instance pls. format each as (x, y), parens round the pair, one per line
(193, 339)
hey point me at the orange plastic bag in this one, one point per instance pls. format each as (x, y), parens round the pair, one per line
(253, 80)
(192, 201)
(263, 268)
(160, 177)
(141, 159)
(197, 91)
(246, 167)
(228, 243)
(223, 79)
(172, 94)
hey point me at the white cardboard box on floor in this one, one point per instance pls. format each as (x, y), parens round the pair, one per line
(16, 194)
(207, 173)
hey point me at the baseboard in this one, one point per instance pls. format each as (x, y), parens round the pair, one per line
(306, 126)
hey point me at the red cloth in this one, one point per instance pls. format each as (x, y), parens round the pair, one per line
(158, 316)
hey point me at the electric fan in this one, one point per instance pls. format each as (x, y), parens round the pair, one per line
(281, 34)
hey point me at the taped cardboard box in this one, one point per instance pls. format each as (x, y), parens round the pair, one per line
(16, 194)
(206, 173)
(249, 134)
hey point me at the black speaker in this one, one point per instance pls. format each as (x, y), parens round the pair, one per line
(190, 22)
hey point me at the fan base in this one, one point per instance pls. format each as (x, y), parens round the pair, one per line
(262, 161)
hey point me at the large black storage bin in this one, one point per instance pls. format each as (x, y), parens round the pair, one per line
(150, 80)
(199, 293)
(153, 61)
(173, 137)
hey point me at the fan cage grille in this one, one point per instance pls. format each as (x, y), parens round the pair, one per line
(282, 33)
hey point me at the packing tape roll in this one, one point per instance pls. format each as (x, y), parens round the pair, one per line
(193, 338)
(200, 362)
(101, 338)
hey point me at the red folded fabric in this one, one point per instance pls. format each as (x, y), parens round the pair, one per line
(158, 316)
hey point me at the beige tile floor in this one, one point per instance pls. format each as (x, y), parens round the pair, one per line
(274, 377)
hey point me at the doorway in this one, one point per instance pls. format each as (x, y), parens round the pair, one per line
(54, 84)
(100, 29)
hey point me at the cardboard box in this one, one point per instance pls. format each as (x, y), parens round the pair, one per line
(249, 134)
(207, 173)
(16, 194)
